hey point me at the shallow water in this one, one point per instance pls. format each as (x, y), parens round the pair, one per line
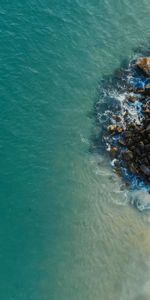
(67, 230)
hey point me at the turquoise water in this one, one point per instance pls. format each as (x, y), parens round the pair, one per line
(67, 230)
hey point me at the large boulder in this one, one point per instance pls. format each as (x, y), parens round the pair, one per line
(144, 64)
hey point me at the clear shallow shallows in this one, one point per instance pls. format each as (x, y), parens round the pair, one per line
(66, 230)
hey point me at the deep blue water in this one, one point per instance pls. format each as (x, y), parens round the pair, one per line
(67, 231)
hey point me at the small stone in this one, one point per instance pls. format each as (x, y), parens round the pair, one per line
(122, 142)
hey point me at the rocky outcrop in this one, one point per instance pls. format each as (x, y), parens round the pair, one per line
(129, 139)
(144, 64)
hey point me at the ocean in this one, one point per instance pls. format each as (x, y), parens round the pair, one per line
(67, 228)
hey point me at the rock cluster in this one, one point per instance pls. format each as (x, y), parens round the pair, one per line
(127, 138)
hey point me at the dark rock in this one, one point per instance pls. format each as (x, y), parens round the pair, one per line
(133, 169)
(129, 142)
(132, 148)
(147, 121)
(128, 134)
(146, 142)
(142, 132)
(136, 138)
(127, 155)
(145, 170)
(145, 161)
(137, 150)
(147, 147)
(148, 128)
(141, 145)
